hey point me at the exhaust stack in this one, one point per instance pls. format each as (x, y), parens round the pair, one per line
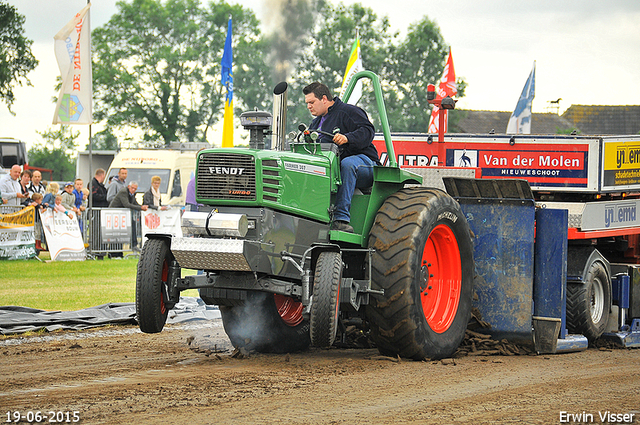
(279, 116)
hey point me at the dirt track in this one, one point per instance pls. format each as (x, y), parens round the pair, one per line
(187, 375)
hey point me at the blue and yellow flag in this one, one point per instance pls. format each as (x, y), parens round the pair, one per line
(227, 81)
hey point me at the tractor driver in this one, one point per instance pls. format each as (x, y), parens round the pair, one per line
(353, 133)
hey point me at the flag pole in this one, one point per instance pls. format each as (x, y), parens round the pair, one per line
(90, 182)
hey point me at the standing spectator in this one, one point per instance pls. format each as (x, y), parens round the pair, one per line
(68, 198)
(36, 186)
(78, 204)
(85, 197)
(25, 181)
(98, 190)
(50, 196)
(11, 188)
(190, 196)
(117, 184)
(126, 198)
(152, 197)
(77, 191)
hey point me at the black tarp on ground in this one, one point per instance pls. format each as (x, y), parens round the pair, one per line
(15, 319)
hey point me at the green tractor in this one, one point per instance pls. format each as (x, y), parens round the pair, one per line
(283, 280)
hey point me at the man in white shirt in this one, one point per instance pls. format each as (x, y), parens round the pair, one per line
(11, 188)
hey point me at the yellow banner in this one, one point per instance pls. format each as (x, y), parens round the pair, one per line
(622, 155)
(23, 218)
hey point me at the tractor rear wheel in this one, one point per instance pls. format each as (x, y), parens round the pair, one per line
(152, 284)
(423, 260)
(266, 323)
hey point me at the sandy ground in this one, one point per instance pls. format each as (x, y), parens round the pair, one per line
(188, 374)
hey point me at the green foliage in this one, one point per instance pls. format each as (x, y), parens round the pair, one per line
(56, 153)
(157, 63)
(157, 66)
(16, 59)
(405, 66)
(105, 140)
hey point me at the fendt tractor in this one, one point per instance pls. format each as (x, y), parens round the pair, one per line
(528, 230)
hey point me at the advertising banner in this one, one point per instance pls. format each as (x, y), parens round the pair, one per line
(621, 164)
(17, 239)
(167, 222)
(63, 236)
(115, 225)
(546, 163)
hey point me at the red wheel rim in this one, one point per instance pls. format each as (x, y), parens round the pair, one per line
(164, 279)
(289, 309)
(440, 278)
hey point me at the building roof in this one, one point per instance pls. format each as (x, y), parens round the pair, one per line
(470, 121)
(602, 119)
(586, 119)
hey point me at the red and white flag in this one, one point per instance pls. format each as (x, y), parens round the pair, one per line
(446, 88)
(73, 52)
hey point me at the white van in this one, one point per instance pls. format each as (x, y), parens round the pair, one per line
(174, 166)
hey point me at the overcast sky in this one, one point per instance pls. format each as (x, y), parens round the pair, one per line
(586, 51)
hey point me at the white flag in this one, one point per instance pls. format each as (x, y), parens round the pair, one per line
(73, 52)
(520, 121)
(353, 67)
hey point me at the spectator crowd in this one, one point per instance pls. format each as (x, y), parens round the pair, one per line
(26, 188)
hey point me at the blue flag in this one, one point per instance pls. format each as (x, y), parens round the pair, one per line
(227, 81)
(520, 121)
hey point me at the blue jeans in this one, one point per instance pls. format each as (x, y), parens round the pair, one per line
(355, 171)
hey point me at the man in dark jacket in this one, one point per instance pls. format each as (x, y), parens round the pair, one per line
(353, 133)
(126, 198)
(98, 190)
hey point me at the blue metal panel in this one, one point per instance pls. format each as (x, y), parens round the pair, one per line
(550, 279)
(549, 289)
(620, 290)
(504, 252)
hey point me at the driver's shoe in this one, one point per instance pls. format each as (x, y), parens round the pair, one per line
(342, 226)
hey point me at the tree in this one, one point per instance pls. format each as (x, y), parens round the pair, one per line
(405, 66)
(325, 58)
(56, 153)
(104, 141)
(157, 67)
(16, 59)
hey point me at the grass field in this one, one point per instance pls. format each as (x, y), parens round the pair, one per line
(73, 285)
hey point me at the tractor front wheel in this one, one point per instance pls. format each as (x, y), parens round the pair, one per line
(326, 299)
(423, 260)
(152, 284)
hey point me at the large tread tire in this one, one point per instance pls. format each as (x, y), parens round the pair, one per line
(423, 260)
(152, 305)
(257, 324)
(588, 303)
(326, 299)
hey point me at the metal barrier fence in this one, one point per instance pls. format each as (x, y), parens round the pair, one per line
(94, 240)
(91, 232)
(10, 209)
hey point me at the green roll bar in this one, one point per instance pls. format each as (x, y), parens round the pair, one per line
(382, 110)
